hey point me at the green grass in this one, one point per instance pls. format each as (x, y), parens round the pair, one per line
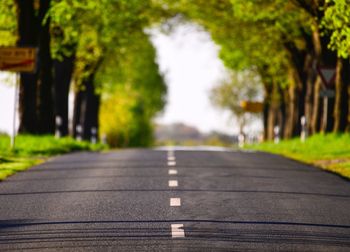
(330, 152)
(31, 150)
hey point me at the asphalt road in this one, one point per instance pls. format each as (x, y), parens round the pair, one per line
(158, 200)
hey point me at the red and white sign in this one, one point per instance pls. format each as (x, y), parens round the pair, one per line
(327, 74)
(18, 59)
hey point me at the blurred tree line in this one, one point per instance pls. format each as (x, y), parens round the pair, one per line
(100, 46)
(282, 42)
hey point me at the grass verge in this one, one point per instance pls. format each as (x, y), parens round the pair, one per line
(330, 152)
(31, 150)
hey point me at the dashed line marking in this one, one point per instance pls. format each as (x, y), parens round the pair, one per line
(171, 158)
(177, 231)
(171, 163)
(172, 172)
(173, 183)
(175, 202)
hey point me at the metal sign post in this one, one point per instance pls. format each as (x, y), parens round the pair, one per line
(276, 131)
(17, 59)
(303, 133)
(14, 131)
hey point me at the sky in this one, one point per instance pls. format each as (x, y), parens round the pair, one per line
(189, 60)
(7, 94)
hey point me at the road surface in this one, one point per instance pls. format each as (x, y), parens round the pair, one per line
(182, 200)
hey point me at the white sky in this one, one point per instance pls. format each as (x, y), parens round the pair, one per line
(188, 58)
(7, 95)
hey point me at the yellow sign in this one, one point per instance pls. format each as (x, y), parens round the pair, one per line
(253, 107)
(18, 59)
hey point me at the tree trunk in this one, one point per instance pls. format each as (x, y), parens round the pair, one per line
(90, 112)
(283, 111)
(346, 100)
(347, 129)
(300, 110)
(36, 93)
(316, 109)
(298, 74)
(290, 113)
(78, 103)
(274, 114)
(27, 36)
(330, 115)
(271, 122)
(309, 96)
(295, 102)
(63, 71)
(86, 110)
(341, 95)
(266, 109)
(344, 123)
(46, 120)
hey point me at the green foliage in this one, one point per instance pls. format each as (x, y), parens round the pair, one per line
(8, 25)
(138, 95)
(136, 68)
(31, 150)
(331, 152)
(337, 21)
(28, 145)
(251, 34)
(123, 120)
(94, 30)
(108, 39)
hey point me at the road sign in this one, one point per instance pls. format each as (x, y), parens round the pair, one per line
(329, 93)
(18, 59)
(253, 107)
(327, 74)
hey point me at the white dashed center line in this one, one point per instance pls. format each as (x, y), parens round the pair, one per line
(172, 172)
(177, 230)
(175, 202)
(173, 183)
(171, 163)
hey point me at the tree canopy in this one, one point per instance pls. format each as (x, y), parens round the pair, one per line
(102, 46)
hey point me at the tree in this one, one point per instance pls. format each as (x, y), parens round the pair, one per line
(230, 93)
(239, 37)
(89, 33)
(337, 22)
(36, 90)
(282, 40)
(136, 97)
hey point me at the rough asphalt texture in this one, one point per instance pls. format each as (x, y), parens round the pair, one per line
(119, 201)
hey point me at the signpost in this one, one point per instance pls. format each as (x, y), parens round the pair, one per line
(253, 107)
(17, 59)
(304, 131)
(329, 93)
(328, 76)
